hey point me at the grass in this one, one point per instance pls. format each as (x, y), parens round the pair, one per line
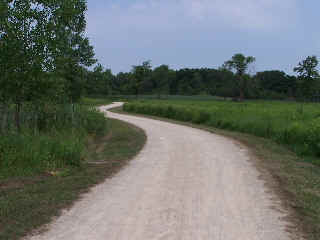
(96, 101)
(296, 125)
(60, 143)
(164, 97)
(28, 202)
(292, 177)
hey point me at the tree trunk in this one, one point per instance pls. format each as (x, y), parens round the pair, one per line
(4, 121)
(17, 116)
(241, 97)
(241, 88)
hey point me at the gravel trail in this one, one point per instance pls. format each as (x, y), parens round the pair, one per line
(186, 184)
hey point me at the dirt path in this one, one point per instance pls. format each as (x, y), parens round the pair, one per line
(186, 184)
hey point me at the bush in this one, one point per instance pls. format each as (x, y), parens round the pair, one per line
(94, 122)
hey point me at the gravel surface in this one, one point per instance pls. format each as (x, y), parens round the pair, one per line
(185, 184)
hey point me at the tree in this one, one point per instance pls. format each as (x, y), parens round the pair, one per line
(42, 36)
(160, 79)
(276, 81)
(40, 39)
(99, 81)
(308, 79)
(197, 83)
(140, 74)
(240, 64)
(70, 49)
(122, 83)
(24, 51)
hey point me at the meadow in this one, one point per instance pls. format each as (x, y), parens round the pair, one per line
(296, 125)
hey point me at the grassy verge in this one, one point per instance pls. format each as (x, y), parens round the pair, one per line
(295, 180)
(296, 125)
(27, 203)
(57, 140)
(96, 101)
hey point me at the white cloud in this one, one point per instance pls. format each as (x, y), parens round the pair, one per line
(258, 15)
(170, 15)
(244, 14)
(196, 32)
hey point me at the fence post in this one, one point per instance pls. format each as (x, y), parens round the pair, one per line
(3, 118)
(17, 116)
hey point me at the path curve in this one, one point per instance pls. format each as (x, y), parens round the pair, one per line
(186, 184)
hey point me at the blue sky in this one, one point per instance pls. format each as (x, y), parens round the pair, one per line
(203, 33)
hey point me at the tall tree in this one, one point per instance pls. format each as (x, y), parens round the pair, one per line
(140, 74)
(160, 79)
(70, 49)
(276, 82)
(122, 83)
(308, 79)
(24, 50)
(239, 63)
(197, 83)
(39, 37)
(99, 81)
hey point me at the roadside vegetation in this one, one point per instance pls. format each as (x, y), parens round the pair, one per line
(48, 141)
(296, 125)
(94, 102)
(43, 54)
(28, 201)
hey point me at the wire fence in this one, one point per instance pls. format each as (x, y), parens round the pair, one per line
(34, 118)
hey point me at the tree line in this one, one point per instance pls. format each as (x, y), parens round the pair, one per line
(231, 80)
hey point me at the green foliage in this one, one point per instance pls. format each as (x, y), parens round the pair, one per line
(307, 68)
(95, 101)
(43, 53)
(229, 81)
(240, 64)
(41, 38)
(29, 202)
(24, 49)
(140, 75)
(283, 122)
(308, 76)
(25, 154)
(99, 81)
(50, 138)
(160, 79)
(276, 82)
(222, 82)
(94, 122)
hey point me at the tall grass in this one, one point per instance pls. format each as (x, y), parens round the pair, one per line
(51, 137)
(294, 124)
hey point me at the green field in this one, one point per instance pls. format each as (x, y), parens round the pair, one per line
(296, 125)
